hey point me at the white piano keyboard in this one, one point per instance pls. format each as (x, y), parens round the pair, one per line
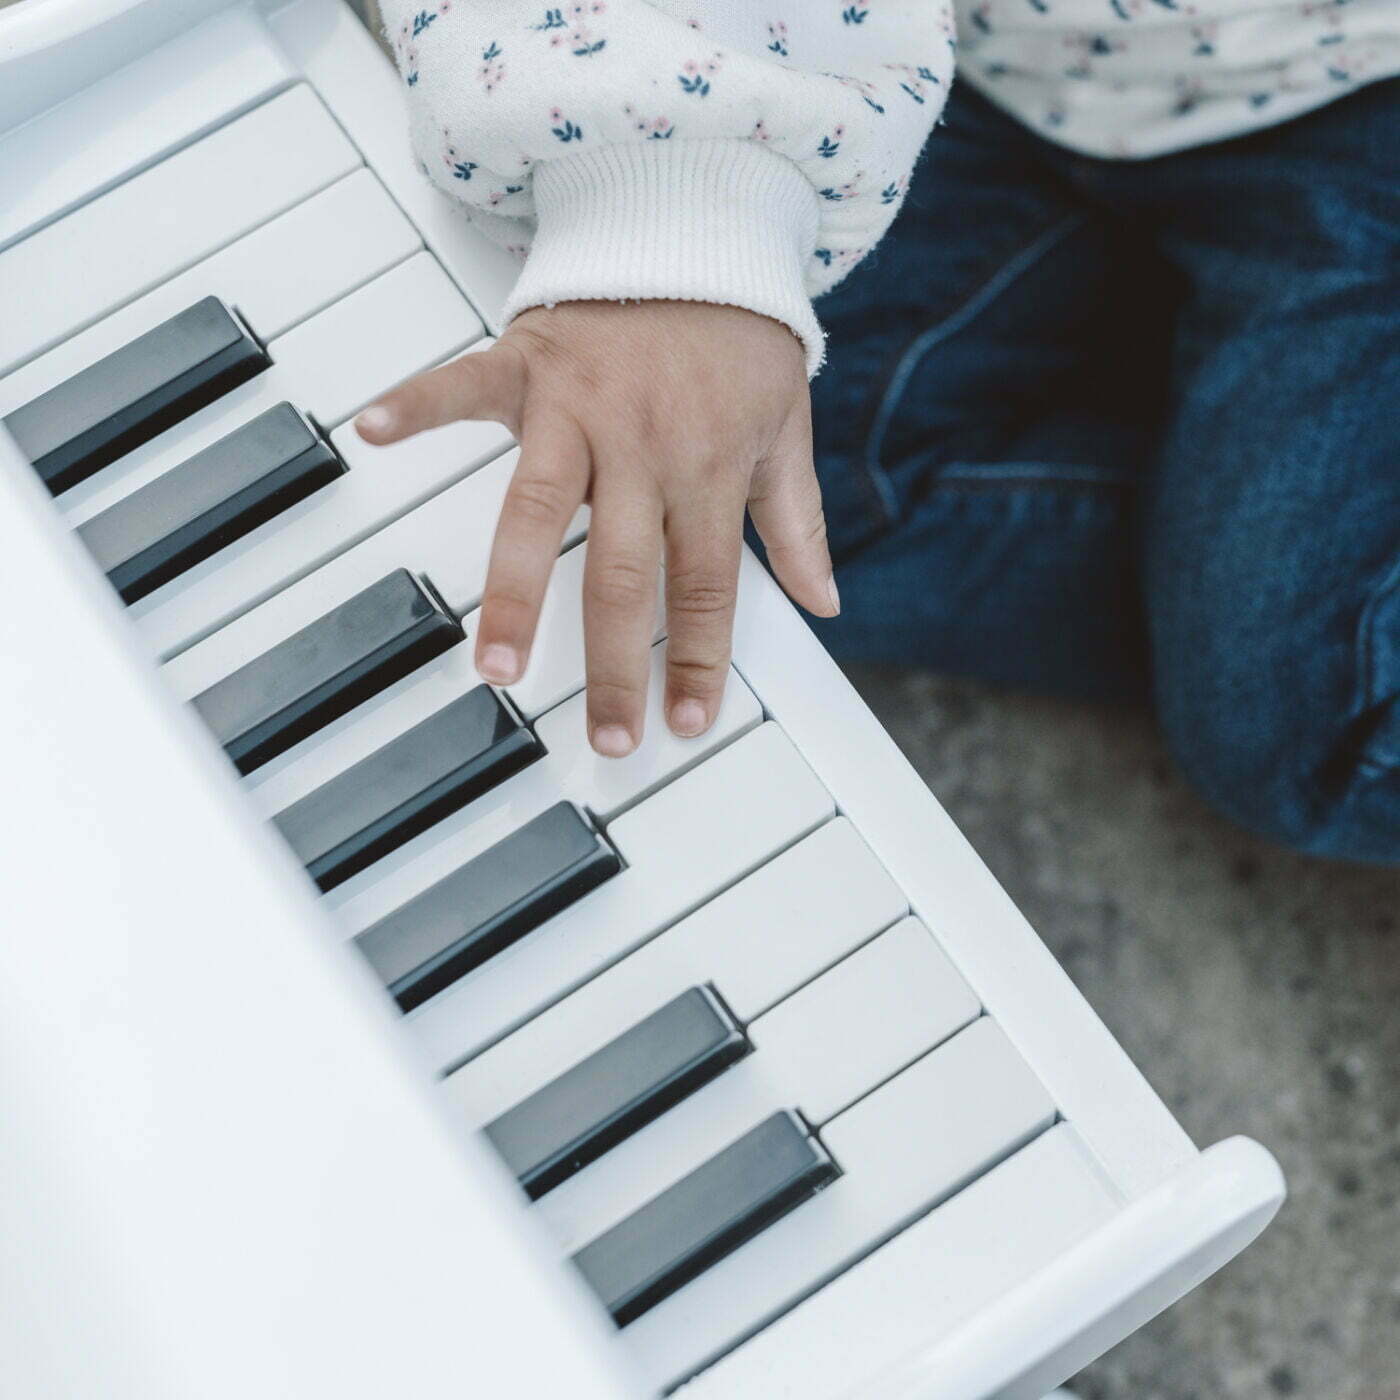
(798, 1100)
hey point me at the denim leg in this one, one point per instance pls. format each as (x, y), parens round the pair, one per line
(1271, 546)
(990, 400)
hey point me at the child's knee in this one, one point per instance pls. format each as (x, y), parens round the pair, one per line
(1261, 792)
(1282, 748)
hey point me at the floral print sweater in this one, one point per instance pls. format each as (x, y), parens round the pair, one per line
(737, 152)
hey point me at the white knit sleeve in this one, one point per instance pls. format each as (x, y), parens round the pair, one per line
(694, 149)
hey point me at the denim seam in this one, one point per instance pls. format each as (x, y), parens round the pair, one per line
(1366, 661)
(957, 320)
(1031, 474)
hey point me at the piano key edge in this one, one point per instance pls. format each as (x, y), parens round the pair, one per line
(1089, 1075)
(1126, 1263)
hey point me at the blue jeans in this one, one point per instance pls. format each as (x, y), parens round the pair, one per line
(1132, 429)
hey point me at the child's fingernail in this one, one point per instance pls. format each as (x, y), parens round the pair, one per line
(499, 664)
(833, 594)
(612, 741)
(688, 718)
(376, 419)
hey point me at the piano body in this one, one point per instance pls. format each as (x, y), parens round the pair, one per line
(794, 1101)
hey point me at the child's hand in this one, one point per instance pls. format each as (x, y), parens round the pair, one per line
(668, 416)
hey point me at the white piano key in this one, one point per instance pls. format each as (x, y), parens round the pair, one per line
(448, 538)
(129, 119)
(551, 674)
(683, 845)
(1122, 1120)
(160, 222)
(824, 898)
(615, 784)
(336, 51)
(867, 1018)
(928, 1280)
(329, 367)
(277, 275)
(415, 318)
(757, 942)
(902, 1150)
(570, 770)
(382, 484)
(838, 1038)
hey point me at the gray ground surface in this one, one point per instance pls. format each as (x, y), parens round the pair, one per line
(1259, 991)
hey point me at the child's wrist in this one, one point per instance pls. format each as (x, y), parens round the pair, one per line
(722, 221)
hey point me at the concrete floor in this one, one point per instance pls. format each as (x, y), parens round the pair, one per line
(1258, 990)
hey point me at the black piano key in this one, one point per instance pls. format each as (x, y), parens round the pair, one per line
(360, 815)
(131, 395)
(617, 1090)
(326, 669)
(491, 902)
(693, 1224)
(208, 502)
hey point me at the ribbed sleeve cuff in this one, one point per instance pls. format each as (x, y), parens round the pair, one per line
(705, 220)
